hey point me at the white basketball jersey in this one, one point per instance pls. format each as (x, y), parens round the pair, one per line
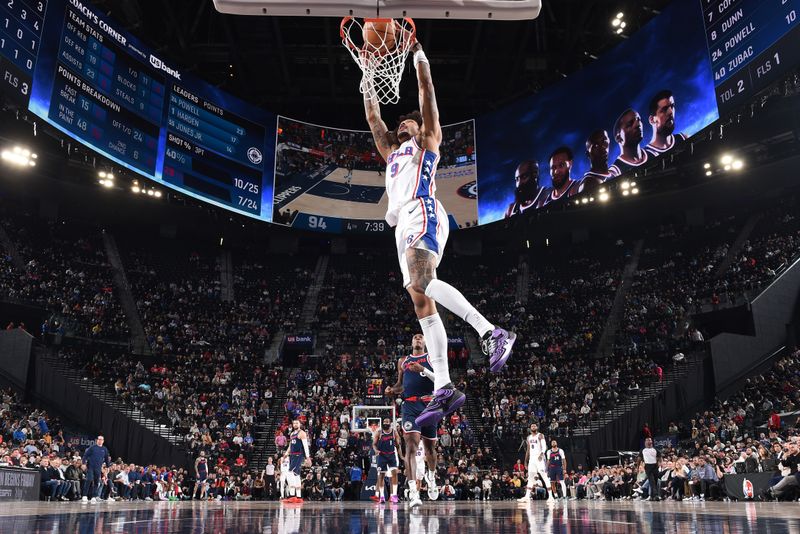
(410, 174)
(537, 446)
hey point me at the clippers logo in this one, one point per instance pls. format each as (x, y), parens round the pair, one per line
(747, 489)
(254, 155)
(407, 426)
(158, 64)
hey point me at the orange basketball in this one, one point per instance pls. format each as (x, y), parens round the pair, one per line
(379, 35)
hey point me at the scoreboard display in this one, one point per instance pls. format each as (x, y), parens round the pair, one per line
(103, 87)
(374, 392)
(752, 43)
(21, 25)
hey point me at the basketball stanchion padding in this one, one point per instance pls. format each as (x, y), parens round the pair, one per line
(380, 48)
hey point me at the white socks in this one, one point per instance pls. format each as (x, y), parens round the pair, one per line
(452, 299)
(394, 490)
(563, 488)
(436, 341)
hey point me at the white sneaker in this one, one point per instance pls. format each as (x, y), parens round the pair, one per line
(94, 500)
(84, 499)
(414, 500)
(433, 489)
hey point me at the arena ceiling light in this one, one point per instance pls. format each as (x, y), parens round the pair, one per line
(635, 191)
(625, 192)
(21, 157)
(135, 188)
(737, 165)
(604, 197)
(618, 23)
(709, 173)
(106, 179)
(706, 165)
(726, 159)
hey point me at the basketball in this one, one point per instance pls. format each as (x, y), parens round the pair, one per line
(379, 35)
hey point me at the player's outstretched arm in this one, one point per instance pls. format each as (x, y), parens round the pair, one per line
(380, 133)
(431, 130)
(397, 388)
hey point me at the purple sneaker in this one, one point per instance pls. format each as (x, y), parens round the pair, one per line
(498, 348)
(445, 401)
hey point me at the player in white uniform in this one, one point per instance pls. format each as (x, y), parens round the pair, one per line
(282, 486)
(535, 458)
(411, 153)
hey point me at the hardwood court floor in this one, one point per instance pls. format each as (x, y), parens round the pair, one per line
(448, 183)
(504, 517)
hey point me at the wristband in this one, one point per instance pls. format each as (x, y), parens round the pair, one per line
(420, 57)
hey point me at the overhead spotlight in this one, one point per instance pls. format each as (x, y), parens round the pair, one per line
(619, 30)
(577, 202)
(737, 165)
(21, 157)
(604, 197)
(625, 193)
(615, 22)
(709, 173)
(727, 167)
(633, 184)
(101, 174)
(150, 192)
(625, 185)
(157, 194)
(584, 200)
(591, 199)
(726, 159)
(107, 183)
(622, 24)
(620, 15)
(634, 191)
(706, 165)
(135, 189)
(602, 189)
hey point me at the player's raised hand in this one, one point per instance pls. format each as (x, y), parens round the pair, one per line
(389, 390)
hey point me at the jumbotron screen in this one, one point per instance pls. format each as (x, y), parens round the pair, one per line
(74, 67)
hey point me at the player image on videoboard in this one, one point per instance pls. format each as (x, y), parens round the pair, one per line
(597, 146)
(662, 119)
(671, 99)
(561, 162)
(330, 172)
(527, 190)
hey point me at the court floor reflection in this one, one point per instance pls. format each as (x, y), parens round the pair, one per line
(439, 518)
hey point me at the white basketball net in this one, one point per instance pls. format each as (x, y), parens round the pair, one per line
(382, 65)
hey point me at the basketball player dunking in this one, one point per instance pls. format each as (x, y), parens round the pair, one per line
(421, 229)
(415, 384)
(297, 453)
(536, 446)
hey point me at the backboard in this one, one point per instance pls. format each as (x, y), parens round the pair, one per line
(417, 9)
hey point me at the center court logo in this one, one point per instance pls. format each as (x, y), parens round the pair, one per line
(468, 190)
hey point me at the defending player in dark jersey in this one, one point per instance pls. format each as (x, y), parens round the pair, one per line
(556, 466)
(563, 185)
(415, 385)
(662, 119)
(597, 151)
(298, 453)
(629, 132)
(526, 188)
(384, 442)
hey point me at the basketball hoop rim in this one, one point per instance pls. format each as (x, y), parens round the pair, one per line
(345, 38)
